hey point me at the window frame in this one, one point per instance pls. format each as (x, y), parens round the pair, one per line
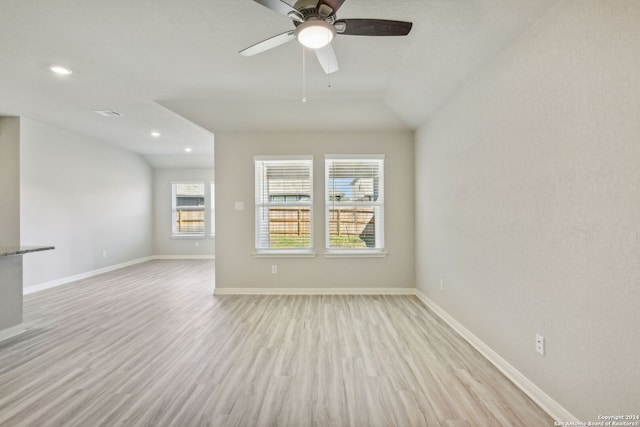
(212, 209)
(378, 205)
(175, 233)
(261, 203)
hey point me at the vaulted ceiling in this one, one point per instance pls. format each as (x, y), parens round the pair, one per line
(173, 67)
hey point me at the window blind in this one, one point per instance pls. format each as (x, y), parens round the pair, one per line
(354, 201)
(283, 203)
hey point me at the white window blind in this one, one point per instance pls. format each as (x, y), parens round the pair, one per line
(188, 208)
(354, 203)
(283, 203)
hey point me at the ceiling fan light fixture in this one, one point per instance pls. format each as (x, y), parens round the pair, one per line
(315, 34)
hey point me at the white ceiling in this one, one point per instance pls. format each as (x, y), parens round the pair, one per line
(173, 66)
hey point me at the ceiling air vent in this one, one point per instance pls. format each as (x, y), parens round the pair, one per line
(108, 113)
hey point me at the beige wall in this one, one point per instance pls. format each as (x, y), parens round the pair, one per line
(10, 267)
(234, 171)
(9, 181)
(528, 204)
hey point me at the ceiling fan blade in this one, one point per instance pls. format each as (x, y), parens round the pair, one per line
(282, 8)
(329, 7)
(267, 44)
(372, 27)
(327, 59)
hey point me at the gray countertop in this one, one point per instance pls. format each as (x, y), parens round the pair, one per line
(21, 250)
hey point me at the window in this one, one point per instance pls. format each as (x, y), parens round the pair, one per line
(188, 208)
(283, 204)
(212, 198)
(354, 203)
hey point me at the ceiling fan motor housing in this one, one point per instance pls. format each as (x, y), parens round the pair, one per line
(310, 11)
(305, 4)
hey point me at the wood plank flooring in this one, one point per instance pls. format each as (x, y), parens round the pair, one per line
(150, 345)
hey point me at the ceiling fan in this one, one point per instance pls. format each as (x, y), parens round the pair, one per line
(316, 25)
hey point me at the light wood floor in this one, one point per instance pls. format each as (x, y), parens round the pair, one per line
(149, 345)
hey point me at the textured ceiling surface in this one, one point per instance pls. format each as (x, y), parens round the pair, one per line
(174, 67)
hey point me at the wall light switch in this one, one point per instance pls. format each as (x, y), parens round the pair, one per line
(239, 206)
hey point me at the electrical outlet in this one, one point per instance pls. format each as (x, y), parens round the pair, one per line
(104, 254)
(540, 344)
(196, 244)
(274, 269)
(441, 285)
(239, 206)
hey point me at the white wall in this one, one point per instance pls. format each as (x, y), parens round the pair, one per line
(164, 243)
(528, 204)
(83, 197)
(9, 181)
(235, 239)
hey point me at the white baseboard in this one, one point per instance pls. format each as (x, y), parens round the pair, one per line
(314, 291)
(549, 405)
(85, 275)
(11, 332)
(183, 257)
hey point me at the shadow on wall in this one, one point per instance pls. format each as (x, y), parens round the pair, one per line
(368, 234)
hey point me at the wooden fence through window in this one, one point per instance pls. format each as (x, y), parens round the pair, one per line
(342, 222)
(190, 221)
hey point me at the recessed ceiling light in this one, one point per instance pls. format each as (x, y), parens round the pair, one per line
(188, 149)
(60, 70)
(155, 134)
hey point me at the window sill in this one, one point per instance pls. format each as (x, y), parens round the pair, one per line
(284, 254)
(356, 254)
(187, 236)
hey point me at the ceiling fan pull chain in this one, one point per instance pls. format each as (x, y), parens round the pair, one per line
(328, 66)
(304, 76)
(328, 74)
